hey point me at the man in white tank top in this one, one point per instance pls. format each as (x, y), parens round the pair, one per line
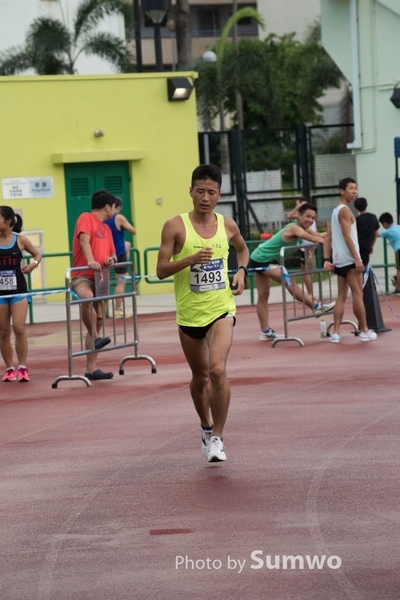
(341, 239)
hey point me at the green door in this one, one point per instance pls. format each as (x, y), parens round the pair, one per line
(83, 179)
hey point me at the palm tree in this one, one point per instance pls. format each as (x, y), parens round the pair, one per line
(183, 33)
(280, 80)
(213, 86)
(51, 49)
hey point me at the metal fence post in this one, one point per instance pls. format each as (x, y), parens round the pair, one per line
(239, 171)
(304, 164)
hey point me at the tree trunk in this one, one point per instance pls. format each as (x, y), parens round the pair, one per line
(183, 34)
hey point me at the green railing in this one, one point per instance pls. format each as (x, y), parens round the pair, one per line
(252, 244)
(47, 289)
(151, 278)
(134, 257)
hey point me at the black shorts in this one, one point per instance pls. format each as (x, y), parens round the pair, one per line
(253, 264)
(397, 259)
(365, 254)
(199, 333)
(121, 270)
(342, 271)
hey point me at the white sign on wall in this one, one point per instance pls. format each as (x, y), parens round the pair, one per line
(27, 187)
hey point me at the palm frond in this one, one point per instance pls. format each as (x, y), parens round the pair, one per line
(48, 44)
(91, 12)
(14, 60)
(52, 65)
(109, 47)
(239, 14)
(48, 35)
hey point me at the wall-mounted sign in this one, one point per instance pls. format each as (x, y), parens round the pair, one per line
(27, 187)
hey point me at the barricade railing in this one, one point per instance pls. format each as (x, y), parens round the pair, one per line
(153, 279)
(46, 291)
(118, 326)
(295, 310)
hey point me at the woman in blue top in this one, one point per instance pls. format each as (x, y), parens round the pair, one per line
(118, 224)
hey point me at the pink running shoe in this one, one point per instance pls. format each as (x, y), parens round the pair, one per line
(10, 375)
(23, 374)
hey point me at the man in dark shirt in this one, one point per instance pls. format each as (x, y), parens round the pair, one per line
(367, 229)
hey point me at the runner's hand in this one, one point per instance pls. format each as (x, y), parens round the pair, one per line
(94, 265)
(238, 282)
(203, 256)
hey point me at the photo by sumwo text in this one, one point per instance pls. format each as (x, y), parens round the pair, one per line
(259, 560)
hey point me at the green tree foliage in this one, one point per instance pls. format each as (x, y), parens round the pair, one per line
(51, 49)
(280, 80)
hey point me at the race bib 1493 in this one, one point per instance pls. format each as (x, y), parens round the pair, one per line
(207, 277)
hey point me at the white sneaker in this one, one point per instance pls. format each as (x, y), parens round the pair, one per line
(367, 336)
(268, 335)
(321, 309)
(216, 450)
(335, 338)
(205, 442)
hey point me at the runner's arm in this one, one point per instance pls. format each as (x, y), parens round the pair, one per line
(345, 223)
(26, 245)
(84, 241)
(242, 255)
(124, 224)
(295, 231)
(167, 268)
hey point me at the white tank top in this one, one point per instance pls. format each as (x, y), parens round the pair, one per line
(340, 251)
(312, 227)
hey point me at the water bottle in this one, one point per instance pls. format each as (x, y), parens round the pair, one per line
(322, 328)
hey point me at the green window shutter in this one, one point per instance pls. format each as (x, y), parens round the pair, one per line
(82, 180)
(114, 177)
(80, 185)
(114, 184)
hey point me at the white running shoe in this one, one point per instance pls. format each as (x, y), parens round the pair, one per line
(335, 338)
(268, 335)
(216, 450)
(205, 441)
(367, 336)
(321, 309)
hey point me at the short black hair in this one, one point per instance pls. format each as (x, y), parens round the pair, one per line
(101, 198)
(118, 202)
(386, 218)
(360, 204)
(343, 182)
(203, 172)
(307, 206)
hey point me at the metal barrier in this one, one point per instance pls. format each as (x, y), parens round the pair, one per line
(298, 309)
(153, 279)
(102, 296)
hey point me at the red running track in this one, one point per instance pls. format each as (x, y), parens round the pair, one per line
(105, 494)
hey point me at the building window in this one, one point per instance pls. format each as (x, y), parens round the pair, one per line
(209, 20)
(246, 21)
